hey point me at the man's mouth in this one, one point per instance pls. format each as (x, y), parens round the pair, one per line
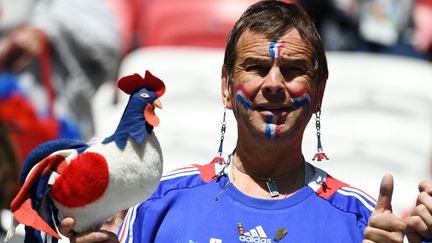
(276, 108)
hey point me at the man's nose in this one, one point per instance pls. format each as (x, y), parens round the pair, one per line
(273, 82)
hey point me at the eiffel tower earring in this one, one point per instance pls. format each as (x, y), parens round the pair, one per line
(320, 155)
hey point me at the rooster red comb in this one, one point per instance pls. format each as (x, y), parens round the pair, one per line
(132, 83)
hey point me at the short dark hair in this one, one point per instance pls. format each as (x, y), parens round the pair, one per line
(273, 19)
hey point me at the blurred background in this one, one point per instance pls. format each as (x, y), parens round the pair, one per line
(59, 60)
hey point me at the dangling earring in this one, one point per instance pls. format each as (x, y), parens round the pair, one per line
(320, 155)
(223, 129)
(219, 157)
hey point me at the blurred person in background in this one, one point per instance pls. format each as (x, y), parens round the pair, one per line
(395, 27)
(422, 18)
(337, 24)
(8, 172)
(53, 57)
(82, 41)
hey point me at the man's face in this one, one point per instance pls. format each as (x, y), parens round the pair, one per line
(272, 93)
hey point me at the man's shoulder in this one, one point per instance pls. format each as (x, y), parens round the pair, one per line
(188, 177)
(341, 195)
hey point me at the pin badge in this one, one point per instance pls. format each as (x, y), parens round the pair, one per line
(240, 229)
(280, 234)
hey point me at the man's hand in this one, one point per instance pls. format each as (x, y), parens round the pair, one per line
(105, 236)
(383, 225)
(419, 224)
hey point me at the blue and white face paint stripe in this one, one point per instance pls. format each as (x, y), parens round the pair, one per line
(302, 100)
(273, 49)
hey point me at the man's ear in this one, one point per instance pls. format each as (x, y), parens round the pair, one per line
(320, 94)
(226, 88)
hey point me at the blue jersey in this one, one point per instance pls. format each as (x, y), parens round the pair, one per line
(193, 205)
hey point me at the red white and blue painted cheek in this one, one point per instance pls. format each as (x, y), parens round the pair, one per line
(301, 98)
(243, 99)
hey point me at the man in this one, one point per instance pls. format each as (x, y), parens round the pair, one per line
(273, 78)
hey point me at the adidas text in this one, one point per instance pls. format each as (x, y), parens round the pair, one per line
(247, 238)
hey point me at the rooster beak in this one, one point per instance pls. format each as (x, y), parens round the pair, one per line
(157, 104)
(149, 113)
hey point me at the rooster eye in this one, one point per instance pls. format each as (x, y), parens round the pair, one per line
(145, 95)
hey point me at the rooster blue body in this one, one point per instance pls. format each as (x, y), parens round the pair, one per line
(92, 182)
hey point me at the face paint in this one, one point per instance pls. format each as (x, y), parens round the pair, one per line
(242, 98)
(275, 48)
(301, 98)
(272, 128)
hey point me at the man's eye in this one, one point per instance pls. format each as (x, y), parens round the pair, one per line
(292, 72)
(259, 69)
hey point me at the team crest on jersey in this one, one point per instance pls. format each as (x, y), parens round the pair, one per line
(255, 235)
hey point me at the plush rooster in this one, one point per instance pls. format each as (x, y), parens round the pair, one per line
(91, 182)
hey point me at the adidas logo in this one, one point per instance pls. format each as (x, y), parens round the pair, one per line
(256, 235)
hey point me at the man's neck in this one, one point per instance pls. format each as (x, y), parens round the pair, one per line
(269, 158)
(259, 161)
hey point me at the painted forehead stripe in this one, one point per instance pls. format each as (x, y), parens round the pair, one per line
(275, 48)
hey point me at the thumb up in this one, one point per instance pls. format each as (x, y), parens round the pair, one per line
(383, 225)
(419, 223)
(385, 195)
